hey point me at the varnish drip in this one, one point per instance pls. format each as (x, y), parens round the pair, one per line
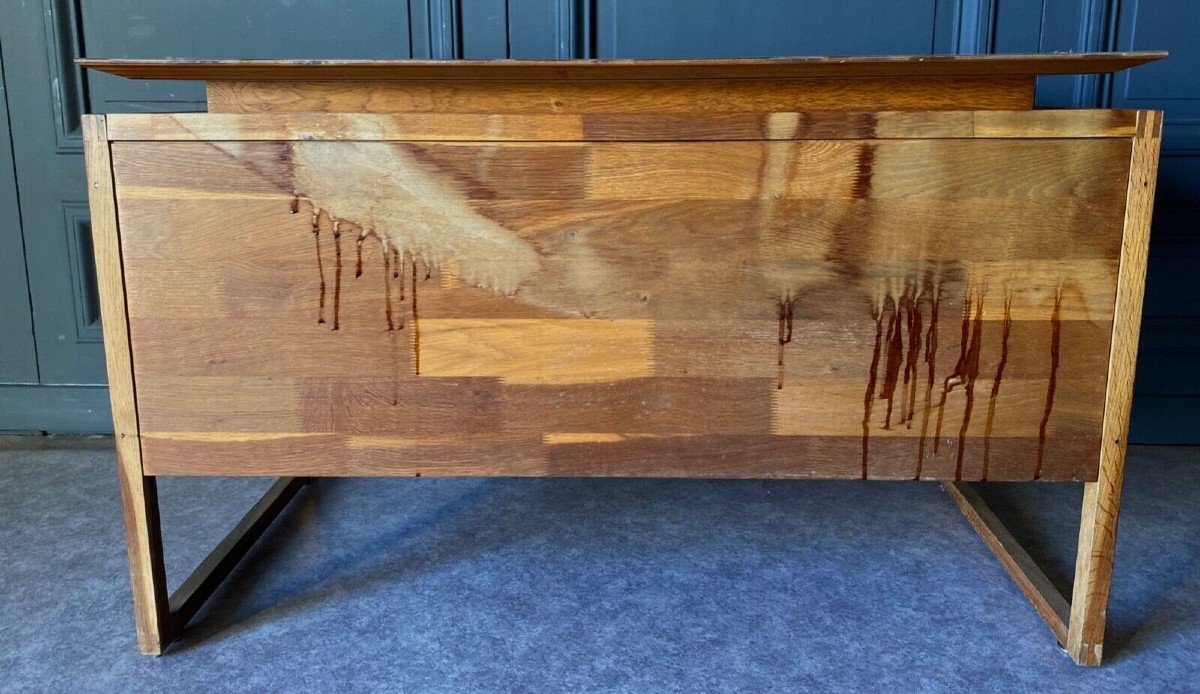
(969, 373)
(987, 429)
(869, 398)
(913, 319)
(895, 359)
(786, 306)
(387, 289)
(931, 346)
(956, 377)
(316, 230)
(337, 271)
(362, 236)
(1055, 339)
(398, 265)
(416, 327)
(295, 204)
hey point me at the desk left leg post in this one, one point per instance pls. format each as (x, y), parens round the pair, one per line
(138, 492)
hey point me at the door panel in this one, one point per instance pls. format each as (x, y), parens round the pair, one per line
(230, 29)
(45, 98)
(18, 359)
(685, 28)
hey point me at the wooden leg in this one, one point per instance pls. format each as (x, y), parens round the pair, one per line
(1084, 626)
(1079, 624)
(1093, 570)
(143, 540)
(160, 620)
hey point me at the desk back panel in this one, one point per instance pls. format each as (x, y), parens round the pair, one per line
(885, 296)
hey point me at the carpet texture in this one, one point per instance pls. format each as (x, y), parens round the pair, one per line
(426, 585)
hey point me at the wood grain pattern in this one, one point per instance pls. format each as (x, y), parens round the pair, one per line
(139, 495)
(1102, 498)
(935, 305)
(684, 97)
(634, 127)
(564, 70)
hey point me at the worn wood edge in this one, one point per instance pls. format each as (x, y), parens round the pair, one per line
(1101, 499)
(139, 493)
(1050, 604)
(812, 125)
(208, 575)
(693, 69)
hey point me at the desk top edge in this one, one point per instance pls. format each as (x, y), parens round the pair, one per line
(606, 70)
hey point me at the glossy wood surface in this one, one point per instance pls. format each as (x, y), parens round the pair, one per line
(936, 306)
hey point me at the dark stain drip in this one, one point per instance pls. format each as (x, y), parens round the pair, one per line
(358, 263)
(295, 204)
(398, 265)
(395, 370)
(428, 271)
(401, 262)
(387, 288)
(786, 307)
(416, 331)
(914, 351)
(316, 230)
(931, 346)
(337, 272)
(869, 398)
(970, 373)
(895, 359)
(1055, 340)
(863, 171)
(991, 414)
(955, 378)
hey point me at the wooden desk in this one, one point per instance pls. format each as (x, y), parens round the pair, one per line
(875, 268)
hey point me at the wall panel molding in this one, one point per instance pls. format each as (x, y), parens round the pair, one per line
(85, 295)
(974, 27)
(64, 43)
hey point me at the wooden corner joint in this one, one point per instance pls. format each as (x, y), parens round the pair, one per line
(1079, 623)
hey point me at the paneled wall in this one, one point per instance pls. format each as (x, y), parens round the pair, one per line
(51, 369)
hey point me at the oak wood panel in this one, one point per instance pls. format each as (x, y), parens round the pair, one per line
(603, 127)
(762, 68)
(750, 308)
(620, 97)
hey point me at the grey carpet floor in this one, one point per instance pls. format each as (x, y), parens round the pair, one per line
(543, 585)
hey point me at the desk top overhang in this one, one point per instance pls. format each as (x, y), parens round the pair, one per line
(606, 70)
(889, 83)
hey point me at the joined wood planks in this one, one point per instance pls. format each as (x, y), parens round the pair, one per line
(926, 297)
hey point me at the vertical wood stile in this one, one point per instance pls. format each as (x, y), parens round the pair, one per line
(138, 492)
(1101, 499)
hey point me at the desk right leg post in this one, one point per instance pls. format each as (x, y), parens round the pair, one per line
(1102, 498)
